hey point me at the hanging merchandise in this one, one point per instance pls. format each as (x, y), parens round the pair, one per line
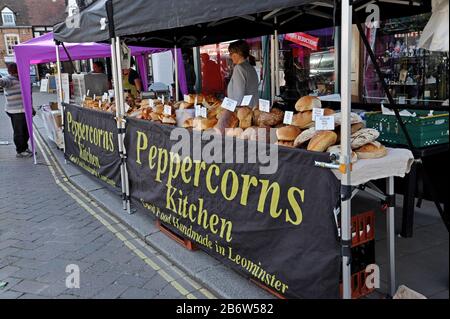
(126, 56)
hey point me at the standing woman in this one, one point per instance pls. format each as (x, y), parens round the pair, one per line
(244, 80)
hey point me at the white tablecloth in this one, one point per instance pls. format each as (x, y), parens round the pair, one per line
(397, 162)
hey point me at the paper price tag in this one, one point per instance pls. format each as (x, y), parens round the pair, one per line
(288, 117)
(325, 123)
(162, 99)
(186, 98)
(105, 97)
(87, 93)
(167, 110)
(151, 103)
(197, 110)
(316, 112)
(203, 112)
(95, 96)
(246, 100)
(195, 100)
(127, 107)
(264, 105)
(229, 104)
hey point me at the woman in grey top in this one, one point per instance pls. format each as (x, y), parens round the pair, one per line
(244, 80)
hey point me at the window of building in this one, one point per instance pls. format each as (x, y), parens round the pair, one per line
(8, 17)
(11, 40)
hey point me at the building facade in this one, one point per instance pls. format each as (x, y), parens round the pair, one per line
(25, 19)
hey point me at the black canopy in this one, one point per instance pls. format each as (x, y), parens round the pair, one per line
(190, 23)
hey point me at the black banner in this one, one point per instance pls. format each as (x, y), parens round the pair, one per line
(278, 228)
(90, 139)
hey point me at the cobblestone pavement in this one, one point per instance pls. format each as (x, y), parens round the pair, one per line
(47, 224)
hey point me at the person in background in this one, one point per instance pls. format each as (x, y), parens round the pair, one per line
(191, 77)
(132, 82)
(14, 109)
(99, 67)
(211, 78)
(244, 80)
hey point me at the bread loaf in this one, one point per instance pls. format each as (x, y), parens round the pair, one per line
(304, 137)
(371, 150)
(201, 124)
(363, 137)
(227, 119)
(245, 115)
(188, 123)
(255, 133)
(336, 149)
(302, 119)
(288, 133)
(321, 141)
(307, 103)
(285, 143)
(263, 119)
(234, 132)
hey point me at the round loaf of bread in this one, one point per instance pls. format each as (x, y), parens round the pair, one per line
(285, 143)
(321, 141)
(307, 103)
(245, 115)
(202, 124)
(336, 149)
(363, 137)
(302, 119)
(371, 150)
(234, 132)
(263, 119)
(288, 133)
(304, 137)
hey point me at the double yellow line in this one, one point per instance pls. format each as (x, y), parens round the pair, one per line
(155, 262)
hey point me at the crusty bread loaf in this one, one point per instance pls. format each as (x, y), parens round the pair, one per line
(363, 137)
(356, 127)
(245, 115)
(169, 120)
(186, 105)
(263, 119)
(158, 109)
(371, 150)
(227, 119)
(285, 143)
(202, 124)
(307, 103)
(302, 119)
(304, 137)
(188, 123)
(288, 133)
(321, 141)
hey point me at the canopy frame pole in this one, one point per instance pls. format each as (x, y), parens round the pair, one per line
(121, 125)
(118, 116)
(177, 85)
(60, 91)
(390, 224)
(346, 239)
(276, 60)
(272, 68)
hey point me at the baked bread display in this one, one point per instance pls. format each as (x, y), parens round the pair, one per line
(307, 103)
(202, 124)
(245, 115)
(354, 118)
(288, 133)
(304, 137)
(263, 119)
(226, 120)
(321, 141)
(188, 123)
(371, 150)
(285, 143)
(255, 133)
(234, 132)
(363, 137)
(303, 119)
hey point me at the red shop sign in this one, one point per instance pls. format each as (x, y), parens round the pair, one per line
(303, 39)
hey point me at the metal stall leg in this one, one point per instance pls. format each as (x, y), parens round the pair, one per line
(60, 95)
(346, 45)
(408, 202)
(390, 222)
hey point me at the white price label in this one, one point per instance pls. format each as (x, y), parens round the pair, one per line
(203, 112)
(95, 97)
(87, 93)
(105, 97)
(316, 112)
(151, 103)
(288, 117)
(197, 110)
(111, 93)
(162, 99)
(246, 100)
(325, 123)
(127, 107)
(229, 104)
(186, 98)
(167, 110)
(264, 105)
(195, 100)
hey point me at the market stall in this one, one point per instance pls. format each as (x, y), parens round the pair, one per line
(304, 174)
